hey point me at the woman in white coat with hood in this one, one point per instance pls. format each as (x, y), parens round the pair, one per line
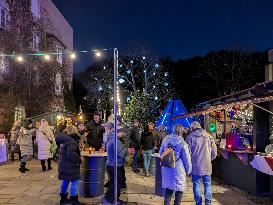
(44, 139)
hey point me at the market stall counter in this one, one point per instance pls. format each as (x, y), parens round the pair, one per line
(92, 174)
(233, 167)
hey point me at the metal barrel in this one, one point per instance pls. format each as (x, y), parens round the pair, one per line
(152, 166)
(158, 178)
(92, 176)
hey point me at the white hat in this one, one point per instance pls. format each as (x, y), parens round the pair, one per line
(195, 125)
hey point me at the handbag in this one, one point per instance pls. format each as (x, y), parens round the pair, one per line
(168, 158)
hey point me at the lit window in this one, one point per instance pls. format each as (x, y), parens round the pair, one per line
(35, 42)
(59, 55)
(35, 8)
(3, 17)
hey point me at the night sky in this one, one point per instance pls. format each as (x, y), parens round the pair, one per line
(178, 29)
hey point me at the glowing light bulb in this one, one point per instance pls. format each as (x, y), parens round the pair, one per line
(19, 59)
(47, 57)
(73, 56)
(98, 54)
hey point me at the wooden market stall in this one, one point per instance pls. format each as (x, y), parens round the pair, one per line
(241, 124)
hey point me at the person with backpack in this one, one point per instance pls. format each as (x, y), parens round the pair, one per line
(176, 164)
(203, 151)
(14, 134)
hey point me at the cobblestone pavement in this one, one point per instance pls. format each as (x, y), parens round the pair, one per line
(36, 187)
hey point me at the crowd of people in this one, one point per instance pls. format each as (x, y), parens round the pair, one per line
(193, 148)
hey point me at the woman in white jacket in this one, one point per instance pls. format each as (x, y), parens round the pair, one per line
(44, 139)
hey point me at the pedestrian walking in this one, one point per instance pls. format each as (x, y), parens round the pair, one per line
(135, 138)
(147, 145)
(203, 151)
(69, 163)
(14, 134)
(45, 139)
(174, 179)
(25, 142)
(109, 195)
(95, 135)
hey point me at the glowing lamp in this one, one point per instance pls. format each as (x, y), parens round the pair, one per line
(229, 146)
(59, 117)
(19, 59)
(47, 57)
(98, 54)
(73, 56)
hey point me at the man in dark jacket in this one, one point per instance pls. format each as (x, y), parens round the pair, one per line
(134, 136)
(95, 135)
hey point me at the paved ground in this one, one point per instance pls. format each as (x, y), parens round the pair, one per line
(38, 188)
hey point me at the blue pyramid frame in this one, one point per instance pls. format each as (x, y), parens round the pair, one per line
(173, 109)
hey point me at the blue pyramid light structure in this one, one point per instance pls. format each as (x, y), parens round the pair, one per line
(173, 109)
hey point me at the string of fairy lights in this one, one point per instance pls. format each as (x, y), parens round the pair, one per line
(20, 58)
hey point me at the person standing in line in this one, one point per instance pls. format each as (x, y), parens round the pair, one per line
(14, 134)
(147, 145)
(109, 195)
(69, 164)
(203, 151)
(44, 139)
(134, 136)
(160, 135)
(95, 135)
(25, 142)
(174, 179)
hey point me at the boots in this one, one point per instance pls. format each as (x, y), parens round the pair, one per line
(64, 199)
(75, 200)
(23, 168)
(43, 165)
(49, 164)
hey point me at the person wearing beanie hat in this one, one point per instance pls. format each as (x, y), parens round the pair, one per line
(25, 142)
(203, 151)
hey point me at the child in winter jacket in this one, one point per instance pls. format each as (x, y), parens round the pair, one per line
(109, 195)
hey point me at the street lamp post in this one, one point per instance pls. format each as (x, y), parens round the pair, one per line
(115, 122)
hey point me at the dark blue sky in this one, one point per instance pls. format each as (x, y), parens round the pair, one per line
(176, 28)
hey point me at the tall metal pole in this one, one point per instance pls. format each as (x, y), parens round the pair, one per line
(115, 122)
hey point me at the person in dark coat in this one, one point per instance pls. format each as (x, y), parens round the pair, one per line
(147, 145)
(95, 135)
(134, 136)
(69, 163)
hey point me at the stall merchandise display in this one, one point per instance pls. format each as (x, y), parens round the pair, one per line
(3, 148)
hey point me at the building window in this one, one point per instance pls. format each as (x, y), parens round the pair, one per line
(3, 17)
(58, 84)
(35, 8)
(59, 56)
(35, 42)
(3, 64)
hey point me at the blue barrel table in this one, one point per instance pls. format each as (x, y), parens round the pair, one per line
(92, 174)
(152, 166)
(158, 177)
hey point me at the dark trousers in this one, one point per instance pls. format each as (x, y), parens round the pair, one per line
(111, 191)
(48, 162)
(135, 159)
(168, 197)
(123, 182)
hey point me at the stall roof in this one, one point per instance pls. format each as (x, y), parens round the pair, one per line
(261, 92)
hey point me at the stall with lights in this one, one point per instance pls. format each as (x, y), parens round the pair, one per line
(241, 124)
